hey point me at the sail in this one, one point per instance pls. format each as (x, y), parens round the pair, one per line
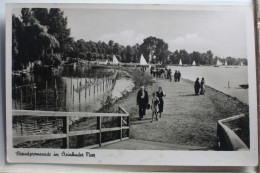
(143, 61)
(115, 61)
(226, 63)
(218, 62)
(180, 63)
(242, 63)
(194, 63)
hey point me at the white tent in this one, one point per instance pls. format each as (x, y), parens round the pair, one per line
(143, 61)
(194, 63)
(180, 63)
(115, 61)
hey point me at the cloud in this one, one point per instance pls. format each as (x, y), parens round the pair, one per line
(191, 42)
(127, 37)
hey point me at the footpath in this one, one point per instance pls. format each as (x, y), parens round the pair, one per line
(188, 122)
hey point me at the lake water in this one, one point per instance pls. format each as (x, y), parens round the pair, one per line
(78, 88)
(72, 88)
(219, 78)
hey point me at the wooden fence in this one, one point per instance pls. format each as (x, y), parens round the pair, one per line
(228, 140)
(124, 125)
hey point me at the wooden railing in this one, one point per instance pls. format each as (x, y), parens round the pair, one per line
(66, 129)
(228, 140)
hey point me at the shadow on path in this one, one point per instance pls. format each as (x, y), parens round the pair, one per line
(187, 95)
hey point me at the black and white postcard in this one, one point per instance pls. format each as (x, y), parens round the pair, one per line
(129, 84)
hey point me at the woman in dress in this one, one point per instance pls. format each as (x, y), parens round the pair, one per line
(160, 95)
(202, 88)
(154, 106)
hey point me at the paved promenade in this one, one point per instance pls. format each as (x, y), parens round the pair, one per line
(188, 121)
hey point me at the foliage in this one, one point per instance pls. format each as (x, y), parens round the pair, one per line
(42, 34)
(107, 104)
(39, 35)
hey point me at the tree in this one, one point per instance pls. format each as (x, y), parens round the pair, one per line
(42, 15)
(32, 42)
(129, 54)
(58, 28)
(195, 56)
(154, 48)
(210, 57)
(16, 27)
(184, 56)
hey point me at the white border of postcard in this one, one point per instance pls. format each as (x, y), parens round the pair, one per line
(143, 157)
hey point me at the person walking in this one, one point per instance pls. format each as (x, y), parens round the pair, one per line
(179, 76)
(165, 73)
(154, 106)
(202, 88)
(170, 74)
(160, 94)
(142, 101)
(197, 86)
(151, 70)
(175, 76)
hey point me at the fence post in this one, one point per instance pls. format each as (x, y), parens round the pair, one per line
(65, 96)
(16, 97)
(56, 92)
(71, 85)
(21, 101)
(31, 87)
(121, 130)
(99, 128)
(73, 94)
(34, 96)
(103, 83)
(65, 121)
(21, 126)
(67, 132)
(128, 124)
(46, 98)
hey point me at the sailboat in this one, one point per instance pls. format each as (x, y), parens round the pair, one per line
(193, 63)
(218, 63)
(180, 62)
(115, 61)
(241, 63)
(143, 61)
(225, 62)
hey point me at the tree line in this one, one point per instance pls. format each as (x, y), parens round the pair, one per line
(42, 34)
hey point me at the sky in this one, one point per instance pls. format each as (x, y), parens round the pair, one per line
(222, 32)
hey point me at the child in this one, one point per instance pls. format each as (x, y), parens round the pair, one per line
(154, 106)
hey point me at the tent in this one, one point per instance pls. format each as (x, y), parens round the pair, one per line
(115, 61)
(143, 61)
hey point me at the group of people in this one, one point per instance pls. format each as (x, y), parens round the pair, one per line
(159, 73)
(177, 76)
(199, 86)
(165, 73)
(156, 103)
(143, 68)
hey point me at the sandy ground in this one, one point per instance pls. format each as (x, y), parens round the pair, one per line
(187, 119)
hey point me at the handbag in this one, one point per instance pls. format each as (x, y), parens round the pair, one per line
(148, 106)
